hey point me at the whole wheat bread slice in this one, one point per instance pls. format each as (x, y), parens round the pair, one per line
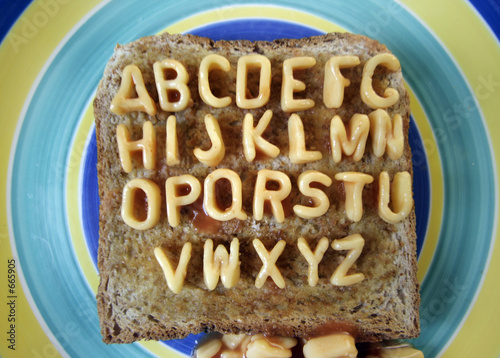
(134, 301)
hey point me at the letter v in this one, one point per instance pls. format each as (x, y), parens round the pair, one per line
(175, 278)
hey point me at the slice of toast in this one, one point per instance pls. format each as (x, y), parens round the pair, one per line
(134, 300)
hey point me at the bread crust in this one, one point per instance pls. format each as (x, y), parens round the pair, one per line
(133, 299)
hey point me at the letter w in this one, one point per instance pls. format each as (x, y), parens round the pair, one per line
(222, 264)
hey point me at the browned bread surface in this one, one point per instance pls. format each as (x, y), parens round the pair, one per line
(134, 301)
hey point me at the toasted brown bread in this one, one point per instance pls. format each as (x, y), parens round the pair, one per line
(134, 301)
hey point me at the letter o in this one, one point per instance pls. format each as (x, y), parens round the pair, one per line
(153, 199)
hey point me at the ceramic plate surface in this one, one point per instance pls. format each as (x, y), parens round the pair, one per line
(52, 57)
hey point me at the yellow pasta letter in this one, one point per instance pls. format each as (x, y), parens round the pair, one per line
(246, 63)
(368, 94)
(353, 186)
(212, 61)
(210, 199)
(386, 135)
(354, 243)
(175, 278)
(269, 259)
(296, 137)
(175, 200)
(351, 141)
(173, 92)
(333, 88)
(147, 145)
(313, 259)
(399, 193)
(222, 264)
(319, 198)
(213, 156)
(123, 101)
(252, 137)
(291, 85)
(129, 203)
(275, 197)
(172, 148)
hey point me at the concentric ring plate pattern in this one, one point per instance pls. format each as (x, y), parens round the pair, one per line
(52, 56)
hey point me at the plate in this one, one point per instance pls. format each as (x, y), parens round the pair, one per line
(52, 59)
